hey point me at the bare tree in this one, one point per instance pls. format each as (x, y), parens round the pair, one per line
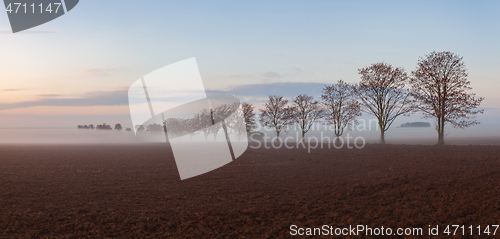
(191, 125)
(217, 115)
(174, 126)
(235, 121)
(440, 87)
(118, 127)
(341, 106)
(205, 119)
(383, 94)
(306, 112)
(154, 127)
(249, 116)
(276, 114)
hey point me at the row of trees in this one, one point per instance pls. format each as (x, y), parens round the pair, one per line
(102, 126)
(438, 88)
(207, 121)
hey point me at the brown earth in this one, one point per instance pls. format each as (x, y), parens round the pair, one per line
(135, 191)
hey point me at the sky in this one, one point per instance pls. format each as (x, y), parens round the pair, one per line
(77, 68)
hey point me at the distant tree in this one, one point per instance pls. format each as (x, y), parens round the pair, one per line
(191, 126)
(306, 112)
(139, 127)
(155, 127)
(104, 126)
(249, 116)
(382, 91)
(440, 87)
(118, 127)
(205, 120)
(276, 114)
(175, 127)
(91, 126)
(341, 106)
(219, 115)
(128, 129)
(215, 128)
(235, 121)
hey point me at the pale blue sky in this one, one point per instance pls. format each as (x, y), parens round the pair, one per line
(107, 45)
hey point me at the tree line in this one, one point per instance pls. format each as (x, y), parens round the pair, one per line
(438, 88)
(102, 126)
(232, 121)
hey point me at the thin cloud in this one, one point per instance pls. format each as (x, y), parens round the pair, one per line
(253, 92)
(97, 98)
(49, 95)
(6, 90)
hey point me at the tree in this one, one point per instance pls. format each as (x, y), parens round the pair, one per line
(216, 116)
(276, 114)
(118, 127)
(440, 87)
(137, 127)
(341, 106)
(306, 112)
(225, 117)
(205, 120)
(154, 127)
(104, 126)
(191, 125)
(249, 116)
(383, 94)
(235, 120)
(175, 127)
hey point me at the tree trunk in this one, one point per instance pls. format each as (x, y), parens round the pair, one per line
(440, 138)
(382, 137)
(303, 134)
(440, 130)
(441, 133)
(337, 140)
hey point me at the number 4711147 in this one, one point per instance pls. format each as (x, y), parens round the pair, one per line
(22, 8)
(462, 230)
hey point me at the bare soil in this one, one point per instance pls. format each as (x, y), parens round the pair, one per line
(135, 191)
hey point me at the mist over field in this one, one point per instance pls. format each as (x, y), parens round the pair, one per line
(482, 134)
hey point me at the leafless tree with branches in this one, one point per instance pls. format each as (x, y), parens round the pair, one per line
(306, 112)
(276, 114)
(204, 119)
(440, 87)
(341, 106)
(249, 116)
(383, 94)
